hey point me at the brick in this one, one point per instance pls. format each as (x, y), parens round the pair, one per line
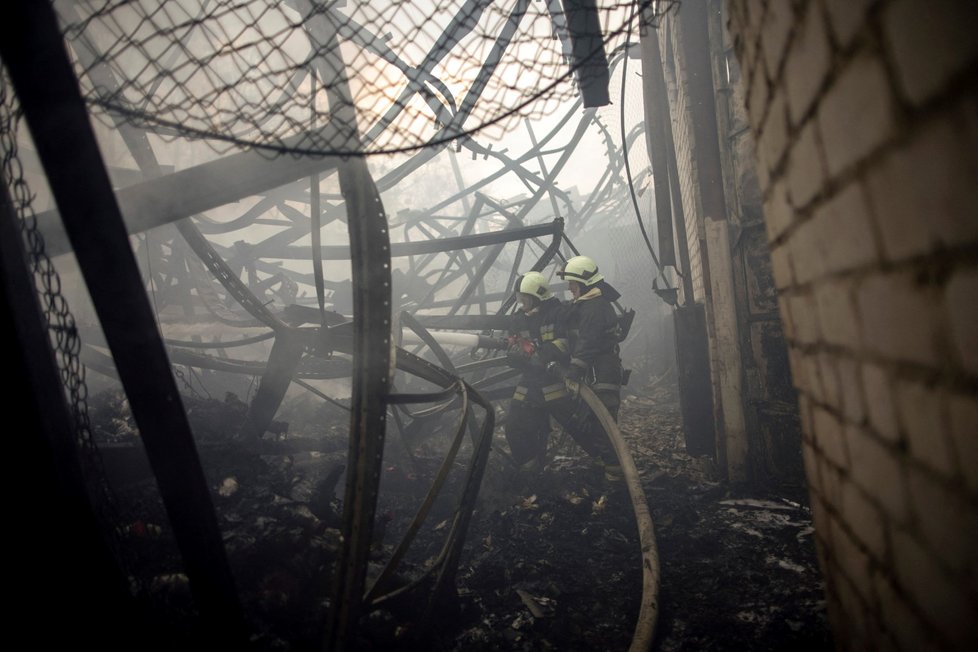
(844, 231)
(796, 358)
(946, 520)
(809, 458)
(807, 379)
(775, 32)
(852, 390)
(807, 63)
(846, 19)
(920, 410)
(865, 521)
(929, 48)
(831, 487)
(805, 419)
(878, 471)
(830, 381)
(806, 172)
(781, 268)
(931, 591)
(783, 310)
(921, 208)
(807, 259)
(880, 402)
(778, 214)
(828, 437)
(856, 634)
(963, 416)
(905, 626)
(900, 319)
(961, 305)
(805, 318)
(853, 562)
(857, 114)
(837, 238)
(758, 96)
(837, 314)
(772, 144)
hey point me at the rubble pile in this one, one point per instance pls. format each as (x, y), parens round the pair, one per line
(551, 560)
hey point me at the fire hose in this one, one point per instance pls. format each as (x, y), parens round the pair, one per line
(649, 610)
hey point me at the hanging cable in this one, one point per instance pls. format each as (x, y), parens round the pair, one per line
(624, 142)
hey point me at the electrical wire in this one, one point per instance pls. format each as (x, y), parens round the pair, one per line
(624, 142)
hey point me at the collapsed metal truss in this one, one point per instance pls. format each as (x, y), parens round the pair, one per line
(448, 261)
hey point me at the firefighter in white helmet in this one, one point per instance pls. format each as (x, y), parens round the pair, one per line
(537, 339)
(592, 326)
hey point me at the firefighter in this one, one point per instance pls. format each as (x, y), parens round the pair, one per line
(593, 331)
(537, 339)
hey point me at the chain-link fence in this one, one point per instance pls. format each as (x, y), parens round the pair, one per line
(302, 76)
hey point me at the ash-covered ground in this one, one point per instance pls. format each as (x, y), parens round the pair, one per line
(551, 561)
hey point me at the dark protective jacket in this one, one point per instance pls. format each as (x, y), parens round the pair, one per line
(545, 327)
(594, 334)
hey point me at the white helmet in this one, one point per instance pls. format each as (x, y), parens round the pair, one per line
(535, 284)
(581, 269)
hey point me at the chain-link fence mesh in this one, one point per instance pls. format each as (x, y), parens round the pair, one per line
(336, 77)
(62, 329)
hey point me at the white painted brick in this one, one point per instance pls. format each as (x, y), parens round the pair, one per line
(961, 305)
(807, 252)
(920, 410)
(931, 47)
(947, 521)
(837, 238)
(831, 488)
(855, 632)
(853, 562)
(905, 625)
(934, 594)
(805, 318)
(808, 62)
(809, 457)
(758, 97)
(798, 370)
(900, 318)
(805, 418)
(776, 30)
(880, 404)
(843, 231)
(865, 520)
(963, 415)
(773, 142)
(878, 471)
(778, 214)
(829, 438)
(781, 268)
(852, 390)
(830, 381)
(807, 378)
(847, 18)
(783, 310)
(806, 172)
(837, 313)
(857, 114)
(921, 207)
(763, 173)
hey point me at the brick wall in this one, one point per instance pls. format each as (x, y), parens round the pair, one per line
(682, 134)
(866, 119)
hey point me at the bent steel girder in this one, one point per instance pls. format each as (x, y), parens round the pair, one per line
(29, 41)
